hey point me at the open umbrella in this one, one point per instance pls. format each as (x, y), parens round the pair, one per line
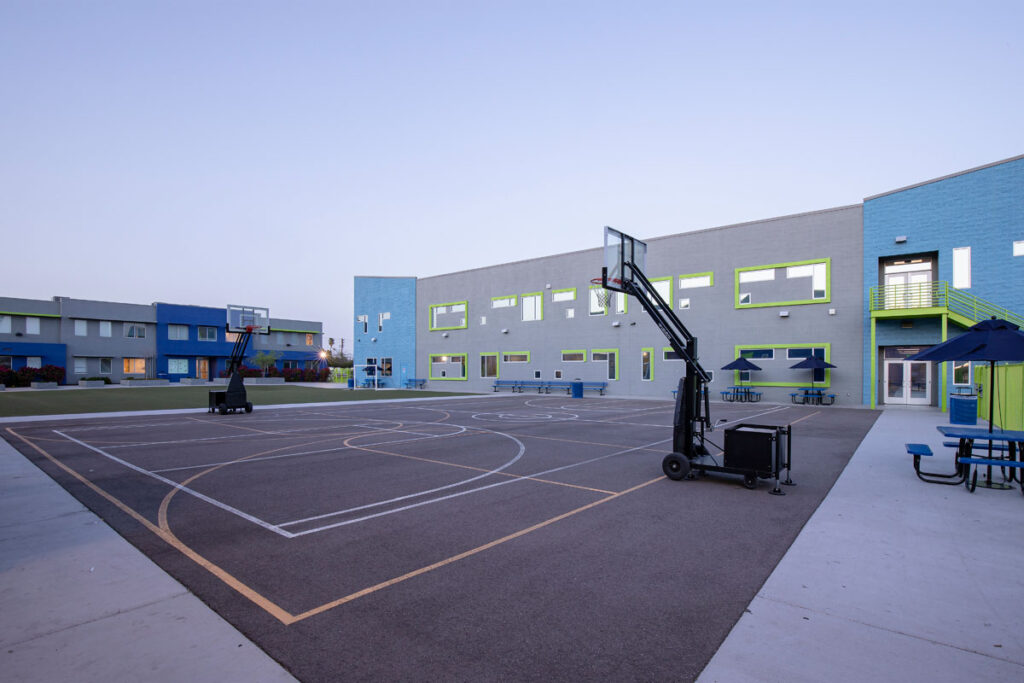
(740, 363)
(990, 341)
(812, 363)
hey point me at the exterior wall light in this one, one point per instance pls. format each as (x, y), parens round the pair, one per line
(783, 314)
(504, 330)
(902, 239)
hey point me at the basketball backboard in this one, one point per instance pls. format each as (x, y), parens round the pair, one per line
(622, 254)
(240, 318)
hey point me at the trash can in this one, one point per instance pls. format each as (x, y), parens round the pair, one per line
(351, 383)
(577, 389)
(963, 410)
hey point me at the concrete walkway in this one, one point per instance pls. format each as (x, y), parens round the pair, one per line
(891, 579)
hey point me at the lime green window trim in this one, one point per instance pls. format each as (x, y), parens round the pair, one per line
(656, 280)
(31, 315)
(669, 349)
(465, 317)
(569, 291)
(618, 359)
(572, 352)
(710, 275)
(540, 306)
(515, 354)
(621, 297)
(804, 382)
(448, 358)
(507, 301)
(647, 365)
(798, 302)
(281, 329)
(497, 365)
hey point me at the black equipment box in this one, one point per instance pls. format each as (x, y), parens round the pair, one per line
(753, 449)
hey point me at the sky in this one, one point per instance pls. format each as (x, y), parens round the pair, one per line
(266, 153)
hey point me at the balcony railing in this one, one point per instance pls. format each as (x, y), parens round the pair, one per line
(937, 294)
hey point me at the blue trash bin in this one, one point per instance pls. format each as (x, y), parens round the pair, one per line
(577, 389)
(963, 410)
(351, 383)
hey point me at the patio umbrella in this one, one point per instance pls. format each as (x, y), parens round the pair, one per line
(812, 363)
(990, 341)
(740, 363)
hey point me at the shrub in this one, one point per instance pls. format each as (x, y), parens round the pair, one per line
(292, 374)
(50, 373)
(7, 376)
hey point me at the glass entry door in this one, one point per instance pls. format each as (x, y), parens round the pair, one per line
(203, 368)
(908, 382)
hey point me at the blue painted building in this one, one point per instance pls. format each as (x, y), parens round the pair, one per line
(938, 257)
(385, 330)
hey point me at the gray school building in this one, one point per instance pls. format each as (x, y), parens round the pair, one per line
(862, 286)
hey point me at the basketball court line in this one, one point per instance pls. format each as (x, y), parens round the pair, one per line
(162, 531)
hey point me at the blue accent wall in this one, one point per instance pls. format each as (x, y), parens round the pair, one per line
(397, 339)
(50, 354)
(195, 317)
(982, 209)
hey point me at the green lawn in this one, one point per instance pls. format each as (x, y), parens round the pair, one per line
(116, 399)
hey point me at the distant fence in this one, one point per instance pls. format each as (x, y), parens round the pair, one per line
(1009, 398)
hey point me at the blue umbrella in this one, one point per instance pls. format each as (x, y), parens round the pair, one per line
(740, 363)
(989, 341)
(812, 363)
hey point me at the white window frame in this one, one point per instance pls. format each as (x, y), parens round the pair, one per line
(32, 325)
(563, 295)
(35, 362)
(174, 366)
(570, 313)
(595, 306)
(364, 320)
(381, 317)
(684, 304)
(962, 267)
(81, 328)
(81, 365)
(515, 357)
(1018, 248)
(130, 362)
(109, 362)
(582, 353)
(177, 332)
(504, 301)
(5, 324)
(106, 328)
(762, 275)
(203, 332)
(694, 282)
(134, 329)
(532, 307)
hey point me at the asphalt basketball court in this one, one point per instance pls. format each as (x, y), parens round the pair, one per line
(507, 537)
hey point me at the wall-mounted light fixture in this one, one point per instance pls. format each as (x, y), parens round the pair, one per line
(444, 334)
(831, 311)
(783, 314)
(616, 323)
(373, 339)
(901, 239)
(504, 330)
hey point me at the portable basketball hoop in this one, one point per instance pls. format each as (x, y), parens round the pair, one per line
(604, 296)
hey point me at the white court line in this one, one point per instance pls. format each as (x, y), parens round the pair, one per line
(184, 489)
(461, 493)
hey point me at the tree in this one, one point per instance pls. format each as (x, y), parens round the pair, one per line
(265, 360)
(336, 360)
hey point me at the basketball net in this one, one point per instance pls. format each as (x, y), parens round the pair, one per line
(604, 296)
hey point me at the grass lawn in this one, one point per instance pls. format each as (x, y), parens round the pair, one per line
(116, 399)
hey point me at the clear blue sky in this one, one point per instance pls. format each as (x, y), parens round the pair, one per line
(161, 151)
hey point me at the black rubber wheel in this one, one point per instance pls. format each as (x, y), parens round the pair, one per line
(248, 407)
(750, 481)
(675, 466)
(222, 409)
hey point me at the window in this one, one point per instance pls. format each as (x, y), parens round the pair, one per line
(558, 374)
(533, 307)
(759, 354)
(596, 307)
(5, 324)
(783, 284)
(449, 316)
(381, 317)
(81, 328)
(135, 366)
(207, 333)
(371, 366)
(558, 295)
(483, 320)
(363, 320)
(385, 367)
(609, 356)
(503, 301)
(962, 267)
(177, 366)
(646, 364)
(574, 356)
(31, 325)
(106, 366)
(105, 328)
(663, 286)
(668, 354)
(1018, 248)
(516, 357)
(745, 298)
(448, 366)
(80, 366)
(290, 365)
(309, 339)
(5, 361)
(763, 275)
(799, 353)
(177, 332)
(488, 365)
(135, 330)
(620, 302)
(232, 337)
(696, 280)
(34, 362)
(962, 372)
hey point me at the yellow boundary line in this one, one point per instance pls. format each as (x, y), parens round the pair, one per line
(285, 617)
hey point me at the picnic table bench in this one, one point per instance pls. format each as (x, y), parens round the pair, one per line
(415, 383)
